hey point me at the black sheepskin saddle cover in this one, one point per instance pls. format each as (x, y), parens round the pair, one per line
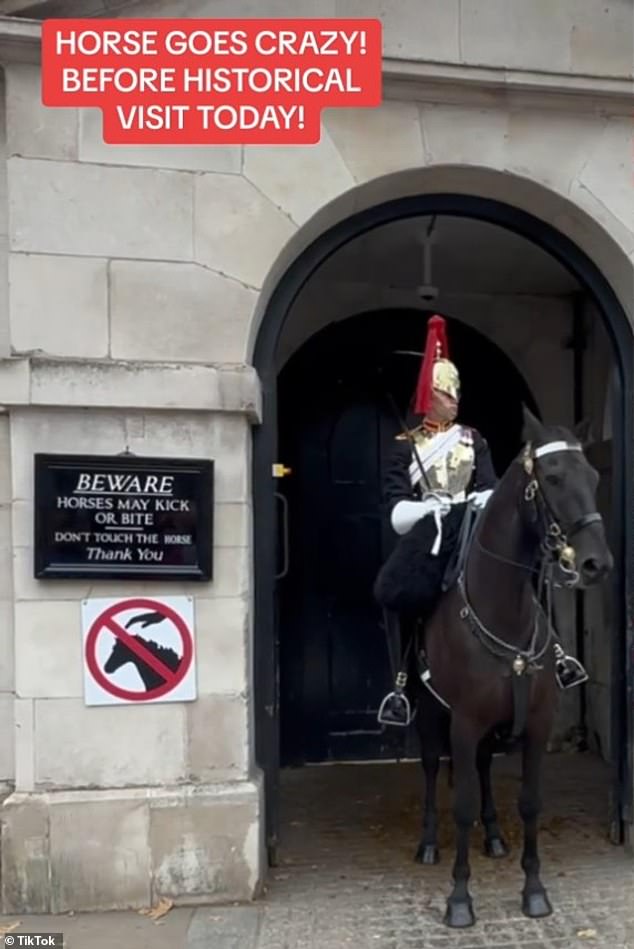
(410, 580)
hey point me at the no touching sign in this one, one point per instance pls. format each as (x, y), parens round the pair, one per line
(211, 81)
(138, 650)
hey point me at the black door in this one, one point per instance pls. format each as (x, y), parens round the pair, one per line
(336, 434)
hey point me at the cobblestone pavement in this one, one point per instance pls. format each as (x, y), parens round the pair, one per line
(347, 879)
(347, 876)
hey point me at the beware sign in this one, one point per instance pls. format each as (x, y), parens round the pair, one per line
(138, 650)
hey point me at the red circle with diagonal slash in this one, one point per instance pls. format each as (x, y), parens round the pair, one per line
(106, 622)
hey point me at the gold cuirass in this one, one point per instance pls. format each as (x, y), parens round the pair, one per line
(451, 472)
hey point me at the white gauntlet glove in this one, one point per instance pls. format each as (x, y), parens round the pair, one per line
(408, 513)
(480, 498)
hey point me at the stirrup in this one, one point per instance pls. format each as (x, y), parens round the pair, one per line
(395, 709)
(569, 672)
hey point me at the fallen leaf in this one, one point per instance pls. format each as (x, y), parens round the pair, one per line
(9, 929)
(162, 907)
(587, 933)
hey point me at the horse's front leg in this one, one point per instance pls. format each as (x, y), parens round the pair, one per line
(535, 902)
(464, 745)
(427, 852)
(494, 843)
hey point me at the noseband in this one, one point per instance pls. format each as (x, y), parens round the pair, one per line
(555, 542)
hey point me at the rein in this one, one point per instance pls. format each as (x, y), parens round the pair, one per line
(556, 553)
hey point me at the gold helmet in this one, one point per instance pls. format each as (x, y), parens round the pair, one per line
(446, 378)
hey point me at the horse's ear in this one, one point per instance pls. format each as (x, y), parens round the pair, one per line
(583, 432)
(532, 430)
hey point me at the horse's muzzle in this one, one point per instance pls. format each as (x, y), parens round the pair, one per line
(595, 568)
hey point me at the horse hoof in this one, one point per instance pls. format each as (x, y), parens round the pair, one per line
(427, 854)
(459, 915)
(536, 905)
(496, 848)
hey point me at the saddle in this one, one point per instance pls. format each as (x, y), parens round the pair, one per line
(395, 708)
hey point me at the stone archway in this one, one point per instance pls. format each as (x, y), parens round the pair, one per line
(272, 319)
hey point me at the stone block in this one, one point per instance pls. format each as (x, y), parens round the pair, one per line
(232, 525)
(6, 554)
(135, 385)
(99, 854)
(24, 738)
(7, 732)
(5, 334)
(221, 645)
(536, 137)
(601, 38)
(206, 849)
(33, 130)
(607, 174)
(48, 649)
(521, 34)
(281, 173)
(238, 230)
(92, 148)
(231, 572)
(92, 850)
(15, 382)
(461, 135)
(173, 311)
(218, 738)
(60, 208)
(58, 305)
(411, 29)
(7, 664)
(356, 133)
(5, 459)
(108, 746)
(25, 855)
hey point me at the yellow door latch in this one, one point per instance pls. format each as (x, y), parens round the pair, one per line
(280, 471)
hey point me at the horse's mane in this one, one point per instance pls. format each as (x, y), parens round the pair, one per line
(157, 650)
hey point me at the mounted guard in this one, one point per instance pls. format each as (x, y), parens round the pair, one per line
(440, 477)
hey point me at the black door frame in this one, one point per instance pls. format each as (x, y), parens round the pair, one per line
(265, 646)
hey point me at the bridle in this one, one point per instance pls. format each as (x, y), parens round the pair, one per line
(557, 552)
(555, 541)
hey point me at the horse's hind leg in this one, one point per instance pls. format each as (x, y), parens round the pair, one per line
(464, 744)
(535, 902)
(494, 843)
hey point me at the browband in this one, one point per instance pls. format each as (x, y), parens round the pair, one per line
(555, 446)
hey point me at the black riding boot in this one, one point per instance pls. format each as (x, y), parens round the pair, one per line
(395, 709)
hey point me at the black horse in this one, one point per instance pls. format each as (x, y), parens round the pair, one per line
(488, 646)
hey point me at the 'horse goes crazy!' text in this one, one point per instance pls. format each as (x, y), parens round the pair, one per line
(217, 82)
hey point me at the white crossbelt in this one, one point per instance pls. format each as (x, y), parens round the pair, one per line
(437, 447)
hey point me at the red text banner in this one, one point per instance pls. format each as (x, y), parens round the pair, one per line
(211, 82)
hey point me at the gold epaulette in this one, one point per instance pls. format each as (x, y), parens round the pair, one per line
(412, 431)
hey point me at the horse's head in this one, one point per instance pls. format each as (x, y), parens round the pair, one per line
(118, 657)
(562, 486)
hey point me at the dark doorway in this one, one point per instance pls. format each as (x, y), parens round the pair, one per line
(336, 432)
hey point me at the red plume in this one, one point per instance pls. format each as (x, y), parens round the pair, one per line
(436, 347)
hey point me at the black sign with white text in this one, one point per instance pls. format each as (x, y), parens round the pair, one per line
(123, 517)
